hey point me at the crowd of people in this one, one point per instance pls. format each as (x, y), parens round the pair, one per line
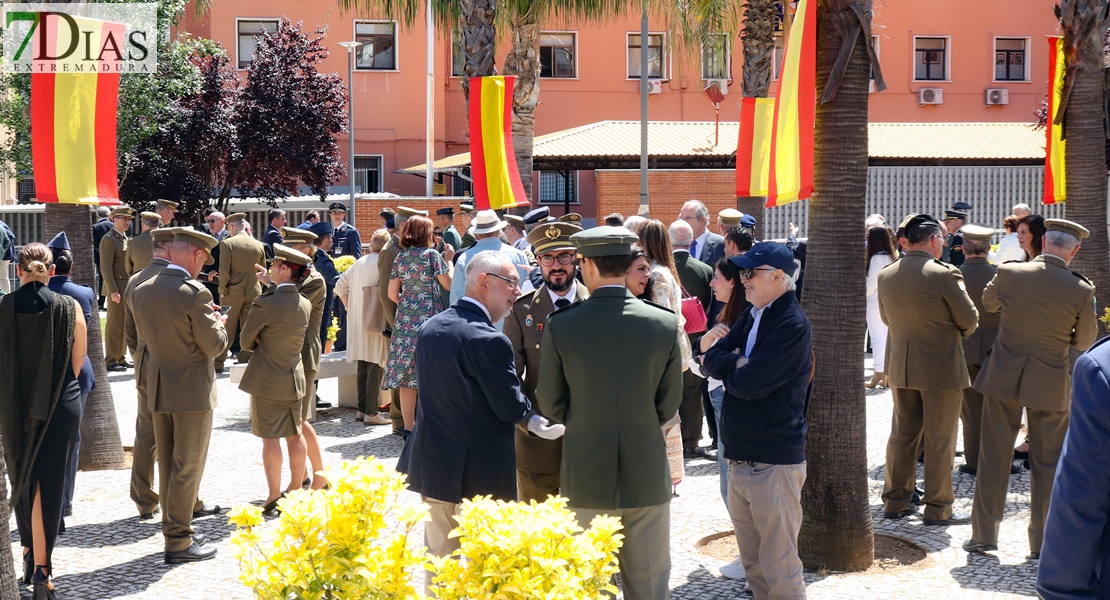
(527, 356)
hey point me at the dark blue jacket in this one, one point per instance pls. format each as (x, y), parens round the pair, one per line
(346, 240)
(324, 265)
(1075, 554)
(470, 399)
(85, 297)
(763, 416)
(9, 252)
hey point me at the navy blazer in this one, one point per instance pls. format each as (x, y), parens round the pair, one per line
(1075, 554)
(713, 251)
(470, 400)
(85, 297)
(326, 267)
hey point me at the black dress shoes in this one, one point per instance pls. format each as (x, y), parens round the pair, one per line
(200, 539)
(979, 547)
(1033, 556)
(909, 510)
(695, 453)
(116, 368)
(955, 519)
(966, 470)
(194, 553)
(148, 515)
(207, 511)
(917, 495)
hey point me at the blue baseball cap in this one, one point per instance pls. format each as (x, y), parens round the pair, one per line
(772, 254)
(747, 221)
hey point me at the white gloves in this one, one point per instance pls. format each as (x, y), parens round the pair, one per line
(543, 428)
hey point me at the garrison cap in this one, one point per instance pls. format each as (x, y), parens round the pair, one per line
(387, 213)
(604, 241)
(466, 207)
(961, 205)
(515, 220)
(163, 234)
(978, 233)
(337, 206)
(1066, 226)
(233, 217)
(747, 221)
(537, 215)
(571, 218)
(287, 254)
(955, 214)
(124, 211)
(169, 203)
(446, 210)
(408, 213)
(151, 216)
(549, 237)
(196, 238)
(730, 217)
(59, 242)
(298, 235)
(321, 229)
(772, 254)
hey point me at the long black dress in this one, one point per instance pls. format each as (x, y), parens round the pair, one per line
(45, 445)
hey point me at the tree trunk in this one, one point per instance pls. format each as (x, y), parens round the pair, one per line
(1086, 144)
(100, 442)
(8, 586)
(479, 37)
(837, 530)
(523, 61)
(758, 42)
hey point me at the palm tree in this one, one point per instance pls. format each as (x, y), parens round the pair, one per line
(837, 530)
(523, 61)
(758, 40)
(1084, 23)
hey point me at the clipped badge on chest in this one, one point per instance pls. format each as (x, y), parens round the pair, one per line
(528, 321)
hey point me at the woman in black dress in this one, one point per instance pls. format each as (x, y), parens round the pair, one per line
(40, 406)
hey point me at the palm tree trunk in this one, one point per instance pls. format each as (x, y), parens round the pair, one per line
(8, 585)
(523, 61)
(100, 441)
(837, 531)
(479, 37)
(758, 41)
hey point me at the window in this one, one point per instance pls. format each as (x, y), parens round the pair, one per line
(1009, 59)
(558, 187)
(715, 57)
(557, 55)
(378, 49)
(458, 54)
(655, 56)
(780, 51)
(930, 59)
(248, 32)
(368, 174)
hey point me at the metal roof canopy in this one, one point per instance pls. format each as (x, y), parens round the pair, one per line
(690, 144)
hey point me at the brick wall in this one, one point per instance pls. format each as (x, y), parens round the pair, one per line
(366, 211)
(197, 27)
(619, 191)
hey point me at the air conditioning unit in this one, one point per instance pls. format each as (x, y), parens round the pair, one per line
(997, 96)
(930, 96)
(655, 86)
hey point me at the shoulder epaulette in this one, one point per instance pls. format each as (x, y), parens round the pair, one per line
(659, 306)
(1082, 277)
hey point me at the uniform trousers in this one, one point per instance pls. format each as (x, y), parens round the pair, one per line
(933, 415)
(971, 415)
(115, 346)
(1001, 421)
(369, 386)
(645, 557)
(536, 486)
(690, 411)
(142, 456)
(765, 504)
(442, 521)
(182, 447)
(236, 316)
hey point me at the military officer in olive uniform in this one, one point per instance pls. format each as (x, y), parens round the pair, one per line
(537, 459)
(611, 371)
(166, 209)
(113, 267)
(977, 272)
(139, 247)
(239, 254)
(953, 253)
(183, 331)
(925, 304)
(1046, 310)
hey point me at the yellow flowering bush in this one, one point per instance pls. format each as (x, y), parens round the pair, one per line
(1105, 318)
(336, 543)
(342, 263)
(513, 550)
(333, 329)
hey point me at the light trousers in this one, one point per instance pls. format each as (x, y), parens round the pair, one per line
(765, 504)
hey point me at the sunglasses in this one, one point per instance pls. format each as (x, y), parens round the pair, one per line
(549, 259)
(212, 220)
(749, 273)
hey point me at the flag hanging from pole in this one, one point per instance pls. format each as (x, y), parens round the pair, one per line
(492, 157)
(1055, 184)
(775, 154)
(73, 120)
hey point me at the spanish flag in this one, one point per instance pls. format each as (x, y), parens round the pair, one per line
(774, 157)
(492, 158)
(73, 116)
(1055, 184)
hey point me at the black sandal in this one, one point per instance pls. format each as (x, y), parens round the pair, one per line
(271, 507)
(41, 585)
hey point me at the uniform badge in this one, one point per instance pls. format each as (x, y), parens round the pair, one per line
(552, 233)
(539, 326)
(961, 286)
(528, 321)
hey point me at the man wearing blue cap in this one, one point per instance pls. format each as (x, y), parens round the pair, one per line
(326, 267)
(766, 364)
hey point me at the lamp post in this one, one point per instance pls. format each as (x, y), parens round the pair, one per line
(351, 46)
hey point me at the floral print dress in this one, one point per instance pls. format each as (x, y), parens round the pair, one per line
(417, 269)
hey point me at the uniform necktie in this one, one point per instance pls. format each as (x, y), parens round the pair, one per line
(562, 303)
(694, 248)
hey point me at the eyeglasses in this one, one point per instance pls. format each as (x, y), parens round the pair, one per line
(512, 282)
(212, 220)
(749, 273)
(564, 259)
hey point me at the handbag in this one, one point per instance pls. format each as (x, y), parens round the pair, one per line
(373, 315)
(694, 313)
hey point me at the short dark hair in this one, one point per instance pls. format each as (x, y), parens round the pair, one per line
(741, 237)
(209, 210)
(612, 266)
(921, 232)
(63, 262)
(614, 220)
(275, 213)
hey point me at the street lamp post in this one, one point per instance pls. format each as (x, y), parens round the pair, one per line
(351, 46)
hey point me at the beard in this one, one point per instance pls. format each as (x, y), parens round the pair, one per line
(568, 280)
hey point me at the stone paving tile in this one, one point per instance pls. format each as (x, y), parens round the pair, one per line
(108, 552)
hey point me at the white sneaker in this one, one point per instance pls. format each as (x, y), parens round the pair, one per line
(377, 419)
(734, 570)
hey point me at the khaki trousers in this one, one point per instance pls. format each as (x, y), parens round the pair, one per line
(765, 504)
(645, 557)
(436, 529)
(181, 440)
(142, 456)
(972, 418)
(115, 346)
(934, 416)
(369, 386)
(1001, 421)
(536, 486)
(236, 316)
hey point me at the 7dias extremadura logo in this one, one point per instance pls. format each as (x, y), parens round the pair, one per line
(80, 38)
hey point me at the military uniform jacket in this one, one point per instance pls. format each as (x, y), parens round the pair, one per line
(275, 332)
(140, 250)
(238, 256)
(451, 236)
(385, 267)
(977, 274)
(925, 304)
(314, 290)
(1046, 310)
(524, 327)
(134, 344)
(953, 249)
(113, 262)
(611, 371)
(182, 337)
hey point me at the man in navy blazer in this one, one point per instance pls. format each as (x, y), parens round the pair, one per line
(470, 400)
(707, 246)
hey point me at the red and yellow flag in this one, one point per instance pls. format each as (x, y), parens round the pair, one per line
(492, 157)
(1055, 184)
(774, 157)
(73, 121)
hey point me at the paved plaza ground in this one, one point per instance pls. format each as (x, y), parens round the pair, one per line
(108, 552)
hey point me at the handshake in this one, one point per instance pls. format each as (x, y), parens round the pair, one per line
(543, 428)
